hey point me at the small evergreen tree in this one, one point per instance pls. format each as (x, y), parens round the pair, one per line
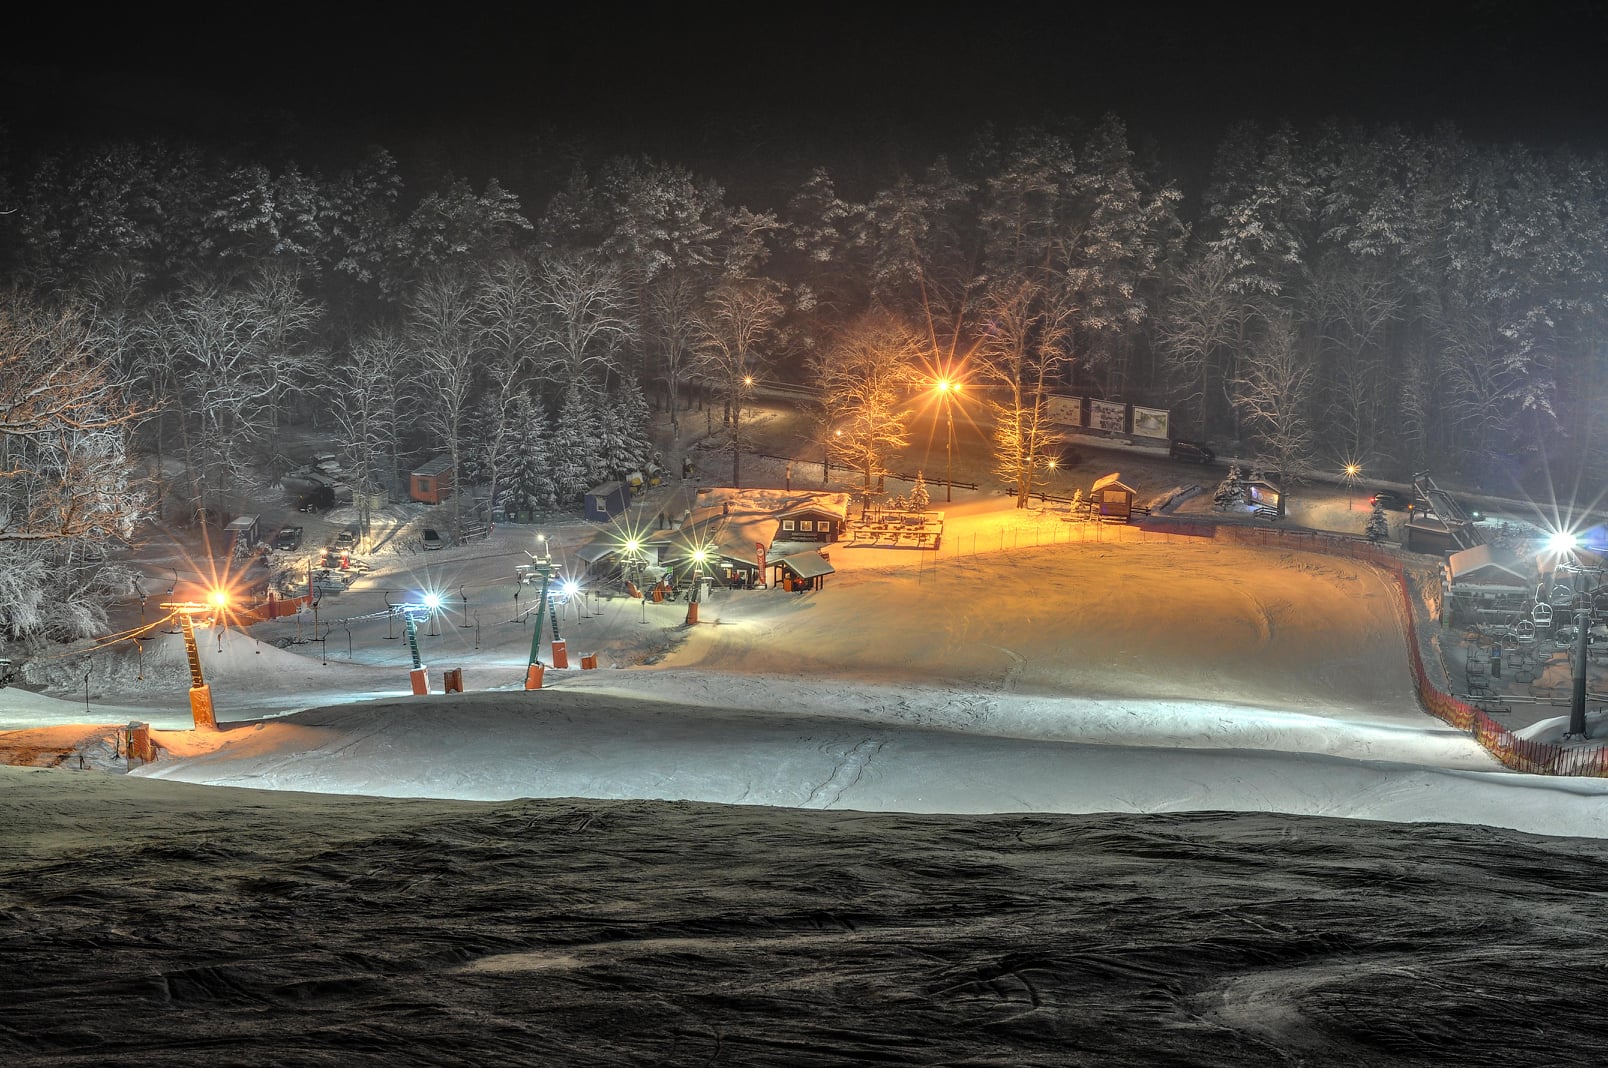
(1378, 524)
(919, 497)
(1231, 490)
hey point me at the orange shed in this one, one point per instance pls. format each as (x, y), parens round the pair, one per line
(432, 482)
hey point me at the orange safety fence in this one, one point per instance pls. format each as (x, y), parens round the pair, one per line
(275, 608)
(1511, 751)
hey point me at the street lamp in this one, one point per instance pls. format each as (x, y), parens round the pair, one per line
(1352, 470)
(699, 557)
(432, 605)
(946, 390)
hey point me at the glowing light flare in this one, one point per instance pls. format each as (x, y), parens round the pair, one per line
(431, 601)
(1562, 541)
(570, 587)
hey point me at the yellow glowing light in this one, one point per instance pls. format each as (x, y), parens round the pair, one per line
(217, 598)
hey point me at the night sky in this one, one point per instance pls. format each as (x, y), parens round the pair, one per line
(832, 75)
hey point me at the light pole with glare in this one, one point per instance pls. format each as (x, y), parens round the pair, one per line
(1351, 484)
(946, 389)
(698, 558)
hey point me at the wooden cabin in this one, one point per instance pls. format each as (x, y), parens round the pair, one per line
(812, 521)
(431, 483)
(606, 501)
(1487, 584)
(1110, 499)
(802, 571)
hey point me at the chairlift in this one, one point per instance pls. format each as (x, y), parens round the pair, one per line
(1541, 615)
(1523, 631)
(1562, 596)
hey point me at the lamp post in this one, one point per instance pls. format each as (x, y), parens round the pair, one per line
(1351, 484)
(946, 389)
(698, 558)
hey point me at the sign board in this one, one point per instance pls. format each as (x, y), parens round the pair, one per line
(1109, 416)
(1150, 423)
(1064, 411)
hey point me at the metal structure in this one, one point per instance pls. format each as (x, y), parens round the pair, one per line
(200, 693)
(699, 558)
(1461, 530)
(541, 564)
(418, 676)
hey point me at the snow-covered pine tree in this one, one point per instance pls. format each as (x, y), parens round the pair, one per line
(636, 414)
(612, 442)
(527, 479)
(1231, 490)
(575, 466)
(1378, 525)
(920, 499)
(477, 462)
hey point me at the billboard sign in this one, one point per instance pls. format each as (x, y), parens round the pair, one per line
(1064, 411)
(1110, 416)
(1150, 423)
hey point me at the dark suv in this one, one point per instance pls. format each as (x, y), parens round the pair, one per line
(1194, 452)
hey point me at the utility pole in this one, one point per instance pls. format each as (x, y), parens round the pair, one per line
(1577, 702)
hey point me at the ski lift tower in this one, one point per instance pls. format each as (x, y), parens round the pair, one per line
(418, 676)
(200, 693)
(541, 563)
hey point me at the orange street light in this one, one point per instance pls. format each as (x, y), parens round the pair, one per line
(1352, 471)
(946, 388)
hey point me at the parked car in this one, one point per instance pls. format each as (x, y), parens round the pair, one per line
(1389, 500)
(347, 538)
(288, 538)
(433, 539)
(1194, 452)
